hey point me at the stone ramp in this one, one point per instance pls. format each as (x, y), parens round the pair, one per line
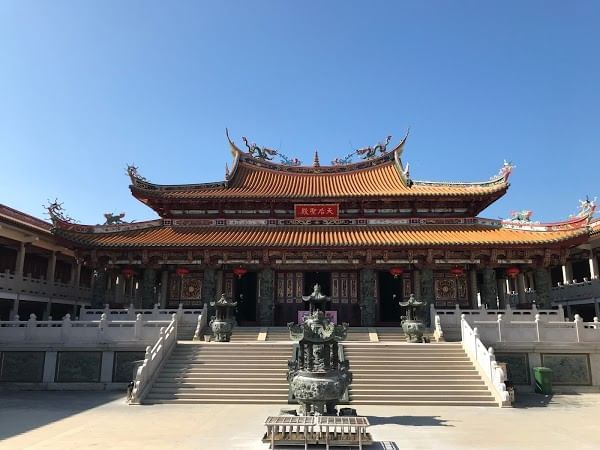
(414, 374)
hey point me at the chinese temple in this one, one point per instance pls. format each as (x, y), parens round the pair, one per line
(361, 228)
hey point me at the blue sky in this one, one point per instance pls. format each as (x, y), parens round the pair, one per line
(89, 86)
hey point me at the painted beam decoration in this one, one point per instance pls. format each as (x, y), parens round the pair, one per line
(316, 211)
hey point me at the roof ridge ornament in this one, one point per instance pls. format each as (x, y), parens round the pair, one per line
(316, 162)
(506, 170)
(587, 208)
(132, 172)
(114, 219)
(57, 213)
(259, 152)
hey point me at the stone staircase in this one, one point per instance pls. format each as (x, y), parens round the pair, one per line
(245, 334)
(414, 374)
(223, 372)
(185, 331)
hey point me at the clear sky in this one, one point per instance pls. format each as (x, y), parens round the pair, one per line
(89, 86)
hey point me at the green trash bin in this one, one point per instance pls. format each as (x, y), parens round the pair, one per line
(543, 380)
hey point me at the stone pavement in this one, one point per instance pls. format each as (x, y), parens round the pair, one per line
(79, 420)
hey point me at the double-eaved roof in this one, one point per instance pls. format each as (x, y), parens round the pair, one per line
(382, 179)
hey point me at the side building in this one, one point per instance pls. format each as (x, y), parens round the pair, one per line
(38, 275)
(367, 232)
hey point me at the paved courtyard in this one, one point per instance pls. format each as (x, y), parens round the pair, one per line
(76, 420)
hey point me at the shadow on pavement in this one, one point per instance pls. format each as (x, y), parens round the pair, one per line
(530, 400)
(22, 411)
(414, 421)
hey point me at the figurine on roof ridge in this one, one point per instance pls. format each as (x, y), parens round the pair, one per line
(371, 152)
(132, 171)
(114, 219)
(57, 212)
(258, 152)
(587, 208)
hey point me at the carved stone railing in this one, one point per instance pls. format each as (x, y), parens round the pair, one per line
(84, 332)
(202, 323)
(36, 287)
(587, 289)
(153, 361)
(184, 316)
(450, 318)
(484, 360)
(519, 331)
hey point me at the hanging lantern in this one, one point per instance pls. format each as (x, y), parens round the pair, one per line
(128, 272)
(240, 271)
(457, 271)
(512, 271)
(182, 271)
(396, 271)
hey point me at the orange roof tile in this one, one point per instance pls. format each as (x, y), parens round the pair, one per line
(266, 181)
(322, 236)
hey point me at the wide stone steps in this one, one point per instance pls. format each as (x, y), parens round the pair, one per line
(414, 374)
(229, 372)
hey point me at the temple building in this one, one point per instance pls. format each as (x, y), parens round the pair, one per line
(364, 230)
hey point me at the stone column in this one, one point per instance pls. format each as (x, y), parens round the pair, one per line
(368, 311)
(266, 299)
(521, 287)
(76, 270)
(502, 290)
(593, 265)
(542, 284)
(567, 272)
(473, 287)
(20, 263)
(164, 288)
(427, 294)
(148, 286)
(51, 271)
(417, 283)
(209, 285)
(99, 288)
(489, 293)
(530, 281)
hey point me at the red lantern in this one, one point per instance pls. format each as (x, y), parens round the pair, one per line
(240, 271)
(457, 271)
(513, 271)
(396, 271)
(128, 272)
(182, 271)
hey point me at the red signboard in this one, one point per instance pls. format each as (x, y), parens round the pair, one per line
(316, 211)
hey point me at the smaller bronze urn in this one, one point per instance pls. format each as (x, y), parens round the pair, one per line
(411, 325)
(222, 323)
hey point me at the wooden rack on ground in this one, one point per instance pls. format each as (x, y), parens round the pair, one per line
(334, 431)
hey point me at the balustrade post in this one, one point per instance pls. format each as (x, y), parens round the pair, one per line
(462, 327)
(101, 325)
(561, 313)
(578, 327)
(432, 312)
(131, 312)
(596, 323)
(475, 338)
(537, 328)
(499, 320)
(509, 313)
(65, 331)
(138, 326)
(155, 315)
(180, 311)
(31, 325)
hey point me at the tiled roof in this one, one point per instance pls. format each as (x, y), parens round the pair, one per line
(381, 180)
(21, 218)
(323, 236)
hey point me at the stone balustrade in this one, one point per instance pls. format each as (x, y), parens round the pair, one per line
(485, 360)
(587, 289)
(537, 330)
(450, 318)
(33, 332)
(29, 288)
(153, 360)
(184, 316)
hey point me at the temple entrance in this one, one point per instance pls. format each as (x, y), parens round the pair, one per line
(390, 293)
(245, 295)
